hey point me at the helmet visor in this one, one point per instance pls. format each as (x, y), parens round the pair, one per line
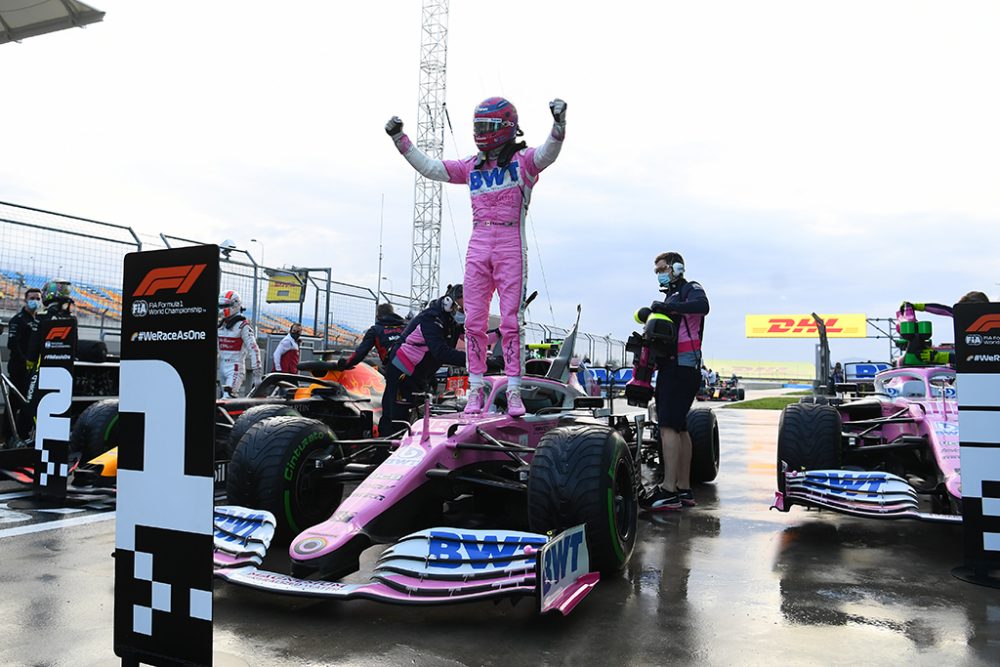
(486, 125)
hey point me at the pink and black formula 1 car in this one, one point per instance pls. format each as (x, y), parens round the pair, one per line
(557, 489)
(892, 455)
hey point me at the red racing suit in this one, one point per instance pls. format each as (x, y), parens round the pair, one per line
(237, 351)
(497, 258)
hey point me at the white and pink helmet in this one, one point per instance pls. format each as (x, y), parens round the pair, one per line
(494, 123)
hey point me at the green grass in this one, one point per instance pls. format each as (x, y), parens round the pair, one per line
(768, 403)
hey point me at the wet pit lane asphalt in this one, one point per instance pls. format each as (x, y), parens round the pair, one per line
(725, 583)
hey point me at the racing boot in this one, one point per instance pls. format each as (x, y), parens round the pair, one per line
(476, 398)
(515, 407)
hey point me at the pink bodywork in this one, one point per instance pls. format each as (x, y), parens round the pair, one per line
(935, 415)
(428, 446)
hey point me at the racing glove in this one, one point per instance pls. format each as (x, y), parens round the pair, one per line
(394, 128)
(661, 308)
(558, 109)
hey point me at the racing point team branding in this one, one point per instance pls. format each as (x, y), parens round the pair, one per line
(159, 336)
(164, 551)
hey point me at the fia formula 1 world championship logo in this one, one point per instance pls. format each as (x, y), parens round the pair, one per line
(180, 279)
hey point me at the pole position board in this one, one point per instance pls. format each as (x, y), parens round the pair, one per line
(163, 536)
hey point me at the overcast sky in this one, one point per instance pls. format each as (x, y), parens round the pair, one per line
(802, 156)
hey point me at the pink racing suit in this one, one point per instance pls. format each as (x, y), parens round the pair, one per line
(236, 342)
(497, 257)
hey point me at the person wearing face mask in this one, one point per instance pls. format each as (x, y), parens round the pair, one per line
(677, 381)
(427, 343)
(286, 354)
(21, 328)
(382, 336)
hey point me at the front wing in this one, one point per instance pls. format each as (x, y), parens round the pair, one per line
(879, 495)
(433, 566)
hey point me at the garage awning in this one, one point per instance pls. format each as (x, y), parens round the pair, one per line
(20, 19)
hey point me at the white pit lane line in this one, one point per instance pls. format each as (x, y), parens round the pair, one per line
(53, 525)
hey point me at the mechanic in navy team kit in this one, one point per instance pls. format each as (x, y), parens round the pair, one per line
(20, 329)
(677, 381)
(427, 343)
(382, 336)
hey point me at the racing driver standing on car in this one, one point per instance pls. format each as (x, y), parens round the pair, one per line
(677, 381)
(500, 178)
(237, 346)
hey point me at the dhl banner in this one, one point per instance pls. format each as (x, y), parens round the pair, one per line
(853, 325)
(285, 289)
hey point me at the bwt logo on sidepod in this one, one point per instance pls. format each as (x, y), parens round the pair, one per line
(177, 278)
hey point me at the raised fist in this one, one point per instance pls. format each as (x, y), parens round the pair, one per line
(558, 109)
(394, 127)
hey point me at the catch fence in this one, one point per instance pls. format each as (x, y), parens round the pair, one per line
(38, 245)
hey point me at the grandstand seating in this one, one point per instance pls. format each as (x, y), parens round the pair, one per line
(101, 300)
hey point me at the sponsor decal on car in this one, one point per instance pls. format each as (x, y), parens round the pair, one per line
(452, 550)
(409, 456)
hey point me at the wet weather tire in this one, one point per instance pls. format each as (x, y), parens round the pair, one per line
(250, 417)
(96, 430)
(273, 469)
(704, 431)
(584, 474)
(809, 438)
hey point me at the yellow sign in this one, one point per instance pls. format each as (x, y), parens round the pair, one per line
(284, 289)
(852, 325)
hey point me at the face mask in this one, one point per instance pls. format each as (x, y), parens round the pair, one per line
(295, 336)
(34, 304)
(460, 317)
(664, 279)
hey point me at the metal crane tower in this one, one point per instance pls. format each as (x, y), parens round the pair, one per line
(425, 278)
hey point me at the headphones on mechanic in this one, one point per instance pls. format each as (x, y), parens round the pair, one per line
(450, 295)
(678, 268)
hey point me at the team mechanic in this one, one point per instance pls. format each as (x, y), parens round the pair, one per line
(427, 344)
(382, 336)
(237, 342)
(500, 179)
(677, 381)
